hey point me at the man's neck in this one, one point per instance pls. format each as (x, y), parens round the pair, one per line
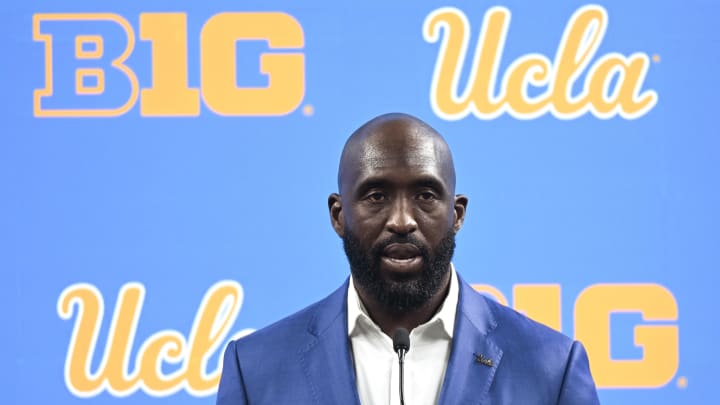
(388, 320)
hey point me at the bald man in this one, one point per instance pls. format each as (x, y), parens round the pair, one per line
(397, 214)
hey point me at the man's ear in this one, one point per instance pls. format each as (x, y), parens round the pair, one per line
(336, 217)
(460, 207)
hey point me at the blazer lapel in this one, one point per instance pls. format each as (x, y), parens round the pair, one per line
(326, 357)
(474, 357)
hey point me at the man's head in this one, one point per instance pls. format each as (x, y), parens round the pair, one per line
(397, 211)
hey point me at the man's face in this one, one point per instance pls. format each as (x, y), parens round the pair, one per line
(398, 216)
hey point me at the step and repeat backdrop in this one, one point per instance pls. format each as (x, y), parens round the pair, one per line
(165, 168)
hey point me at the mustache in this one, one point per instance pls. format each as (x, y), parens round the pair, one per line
(402, 239)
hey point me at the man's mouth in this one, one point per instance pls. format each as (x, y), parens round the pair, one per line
(402, 256)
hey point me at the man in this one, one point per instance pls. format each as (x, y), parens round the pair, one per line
(397, 214)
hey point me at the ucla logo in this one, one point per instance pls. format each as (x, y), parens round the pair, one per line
(117, 373)
(88, 74)
(612, 84)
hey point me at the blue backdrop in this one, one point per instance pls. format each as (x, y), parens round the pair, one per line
(165, 166)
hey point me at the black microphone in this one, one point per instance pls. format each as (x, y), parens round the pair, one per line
(401, 345)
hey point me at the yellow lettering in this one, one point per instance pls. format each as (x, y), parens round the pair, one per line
(212, 323)
(286, 71)
(478, 93)
(121, 337)
(624, 99)
(216, 315)
(88, 304)
(581, 39)
(492, 292)
(169, 94)
(112, 372)
(531, 69)
(83, 73)
(117, 64)
(593, 308)
(540, 302)
(168, 346)
(492, 39)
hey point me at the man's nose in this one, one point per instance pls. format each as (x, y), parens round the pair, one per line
(401, 219)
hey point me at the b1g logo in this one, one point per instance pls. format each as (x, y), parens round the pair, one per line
(87, 73)
(612, 84)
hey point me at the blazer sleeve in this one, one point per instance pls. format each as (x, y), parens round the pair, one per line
(578, 386)
(231, 390)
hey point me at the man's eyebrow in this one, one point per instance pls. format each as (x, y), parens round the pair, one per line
(433, 183)
(379, 182)
(372, 182)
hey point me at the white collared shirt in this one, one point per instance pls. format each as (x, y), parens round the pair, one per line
(376, 364)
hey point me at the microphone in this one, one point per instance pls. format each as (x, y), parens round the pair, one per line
(401, 345)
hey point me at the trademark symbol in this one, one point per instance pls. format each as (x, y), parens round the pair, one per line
(308, 110)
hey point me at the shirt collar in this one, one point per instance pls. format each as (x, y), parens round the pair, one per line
(445, 315)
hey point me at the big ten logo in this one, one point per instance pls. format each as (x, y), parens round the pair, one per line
(88, 71)
(612, 84)
(159, 352)
(595, 308)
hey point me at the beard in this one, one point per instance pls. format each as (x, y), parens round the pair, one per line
(401, 295)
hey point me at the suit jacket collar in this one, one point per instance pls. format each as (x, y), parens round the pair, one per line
(474, 356)
(325, 354)
(326, 357)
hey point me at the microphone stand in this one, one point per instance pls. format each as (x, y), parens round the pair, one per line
(401, 345)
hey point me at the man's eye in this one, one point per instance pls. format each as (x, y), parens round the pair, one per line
(376, 196)
(427, 196)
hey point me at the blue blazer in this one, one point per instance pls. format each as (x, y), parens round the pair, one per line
(306, 359)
